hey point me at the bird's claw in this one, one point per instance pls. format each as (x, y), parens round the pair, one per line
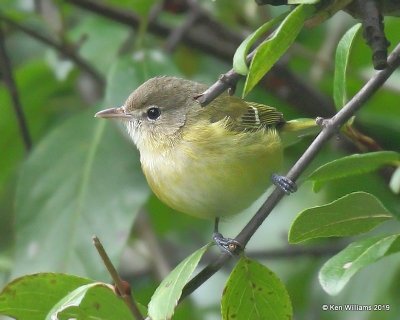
(285, 184)
(228, 245)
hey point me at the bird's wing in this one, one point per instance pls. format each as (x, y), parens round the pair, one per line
(241, 115)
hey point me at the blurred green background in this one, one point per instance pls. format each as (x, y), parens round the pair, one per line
(82, 176)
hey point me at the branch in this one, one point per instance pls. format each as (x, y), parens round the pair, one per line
(193, 16)
(290, 252)
(225, 82)
(330, 128)
(218, 41)
(298, 87)
(213, 38)
(374, 35)
(62, 48)
(123, 288)
(12, 88)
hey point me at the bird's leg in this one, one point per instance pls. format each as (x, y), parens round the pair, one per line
(225, 244)
(285, 184)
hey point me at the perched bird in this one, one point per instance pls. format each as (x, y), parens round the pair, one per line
(211, 161)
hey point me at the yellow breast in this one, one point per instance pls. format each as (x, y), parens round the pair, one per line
(215, 172)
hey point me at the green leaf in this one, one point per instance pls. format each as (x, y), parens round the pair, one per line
(31, 297)
(101, 54)
(352, 165)
(40, 89)
(82, 179)
(269, 52)
(395, 181)
(165, 298)
(341, 62)
(254, 292)
(240, 57)
(92, 301)
(338, 270)
(350, 215)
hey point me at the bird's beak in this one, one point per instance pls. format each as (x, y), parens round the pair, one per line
(118, 113)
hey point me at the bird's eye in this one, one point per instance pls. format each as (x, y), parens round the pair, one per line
(153, 113)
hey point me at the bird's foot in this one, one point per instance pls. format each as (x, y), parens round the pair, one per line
(285, 184)
(228, 245)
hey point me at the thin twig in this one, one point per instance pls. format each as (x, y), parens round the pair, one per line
(12, 88)
(272, 2)
(373, 31)
(297, 88)
(127, 297)
(291, 252)
(208, 40)
(225, 81)
(64, 50)
(215, 39)
(177, 34)
(330, 128)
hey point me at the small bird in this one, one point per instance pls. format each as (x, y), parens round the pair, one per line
(212, 161)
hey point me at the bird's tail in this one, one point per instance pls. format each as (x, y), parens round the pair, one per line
(294, 130)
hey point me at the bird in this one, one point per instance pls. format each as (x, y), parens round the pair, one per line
(209, 162)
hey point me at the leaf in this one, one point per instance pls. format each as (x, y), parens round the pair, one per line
(240, 57)
(100, 53)
(31, 297)
(338, 270)
(352, 165)
(353, 214)
(165, 298)
(92, 301)
(41, 90)
(395, 181)
(269, 52)
(254, 292)
(341, 62)
(82, 179)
